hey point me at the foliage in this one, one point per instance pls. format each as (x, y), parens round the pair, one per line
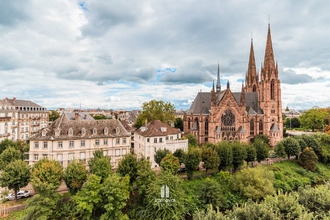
(291, 146)
(100, 165)
(75, 175)
(313, 118)
(155, 110)
(53, 115)
(225, 153)
(191, 161)
(210, 158)
(157, 207)
(308, 159)
(160, 154)
(170, 164)
(239, 154)
(280, 150)
(263, 138)
(209, 214)
(128, 166)
(5, 144)
(210, 193)
(100, 117)
(312, 142)
(46, 176)
(179, 153)
(295, 123)
(261, 150)
(251, 153)
(301, 142)
(15, 176)
(255, 183)
(179, 123)
(145, 176)
(191, 139)
(8, 155)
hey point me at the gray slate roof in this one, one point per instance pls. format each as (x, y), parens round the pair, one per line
(274, 128)
(201, 104)
(83, 116)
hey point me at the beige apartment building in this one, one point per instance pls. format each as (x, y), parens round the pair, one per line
(77, 136)
(157, 135)
(19, 119)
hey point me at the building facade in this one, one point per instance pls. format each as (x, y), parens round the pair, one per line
(225, 115)
(157, 135)
(19, 119)
(77, 137)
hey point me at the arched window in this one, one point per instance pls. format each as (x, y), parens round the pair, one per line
(261, 127)
(70, 132)
(272, 89)
(251, 127)
(254, 88)
(196, 122)
(206, 126)
(188, 123)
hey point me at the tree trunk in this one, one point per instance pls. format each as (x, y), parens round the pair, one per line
(288, 157)
(15, 195)
(206, 170)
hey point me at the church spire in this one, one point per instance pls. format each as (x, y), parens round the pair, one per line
(269, 55)
(242, 102)
(218, 80)
(228, 86)
(252, 71)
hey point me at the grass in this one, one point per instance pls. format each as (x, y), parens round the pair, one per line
(18, 202)
(15, 215)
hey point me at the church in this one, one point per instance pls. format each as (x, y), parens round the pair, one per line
(223, 114)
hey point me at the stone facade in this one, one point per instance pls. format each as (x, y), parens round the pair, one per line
(225, 115)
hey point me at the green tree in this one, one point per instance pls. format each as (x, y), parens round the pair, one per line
(179, 123)
(75, 175)
(179, 153)
(145, 177)
(287, 109)
(280, 150)
(301, 142)
(209, 214)
(170, 164)
(8, 155)
(191, 161)
(209, 192)
(312, 142)
(100, 165)
(210, 158)
(239, 154)
(263, 138)
(46, 176)
(313, 118)
(156, 110)
(308, 159)
(5, 144)
(251, 154)
(53, 115)
(291, 146)
(224, 150)
(192, 139)
(255, 183)
(261, 150)
(160, 154)
(128, 166)
(100, 117)
(156, 207)
(15, 176)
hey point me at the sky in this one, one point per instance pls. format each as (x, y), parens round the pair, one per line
(118, 54)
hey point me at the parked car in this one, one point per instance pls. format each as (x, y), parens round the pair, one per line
(20, 194)
(182, 170)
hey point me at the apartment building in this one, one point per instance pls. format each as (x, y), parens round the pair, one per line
(157, 135)
(19, 119)
(75, 135)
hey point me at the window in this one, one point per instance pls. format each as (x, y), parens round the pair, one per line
(36, 157)
(70, 132)
(60, 158)
(272, 89)
(206, 126)
(97, 142)
(273, 111)
(44, 156)
(71, 143)
(94, 131)
(251, 127)
(254, 88)
(148, 140)
(124, 140)
(117, 141)
(45, 144)
(261, 127)
(105, 142)
(36, 144)
(167, 138)
(59, 144)
(83, 131)
(160, 140)
(171, 138)
(105, 153)
(71, 156)
(82, 156)
(117, 152)
(26, 136)
(155, 140)
(105, 131)
(188, 123)
(27, 129)
(82, 143)
(124, 151)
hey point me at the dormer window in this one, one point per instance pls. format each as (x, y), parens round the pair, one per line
(83, 132)
(143, 129)
(94, 131)
(117, 130)
(70, 133)
(43, 133)
(163, 129)
(57, 132)
(106, 131)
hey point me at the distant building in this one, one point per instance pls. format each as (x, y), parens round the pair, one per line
(292, 114)
(179, 114)
(157, 135)
(19, 119)
(131, 130)
(74, 136)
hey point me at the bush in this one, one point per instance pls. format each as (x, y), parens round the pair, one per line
(308, 159)
(210, 193)
(170, 164)
(160, 154)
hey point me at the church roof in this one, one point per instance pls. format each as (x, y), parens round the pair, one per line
(201, 104)
(241, 130)
(251, 98)
(274, 128)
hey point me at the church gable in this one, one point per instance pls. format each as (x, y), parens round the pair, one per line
(229, 100)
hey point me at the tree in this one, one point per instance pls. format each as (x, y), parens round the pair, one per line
(100, 165)
(5, 144)
(160, 154)
(170, 164)
(53, 115)
(308, 159)
(192, 139)
(46, 176)
(251, 154)
(239, 154)
(312, 142)
(313, 118)
(287, 109)
(301, 142)
(261, 150)
(209, 192)
(179, 123)
(280, 150)
(179, 153)
(255, 183)
(8, 155)
(291, 146)
(210, 158)
(157, 207)
(145, 177)
(224, 150)
(263, 138)
(191, 161)
(156, 110)
(128, 165)
(15, 176)
(100, 117)
(75, 175)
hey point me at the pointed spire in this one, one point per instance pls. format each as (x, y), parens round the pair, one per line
(228, 86)
(218, 80)
(213, 95)
(213, 86)
(252, 70)
(242, 102)
(269, 55)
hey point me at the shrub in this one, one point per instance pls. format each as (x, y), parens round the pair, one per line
(308, 159)
(210, 193)
(170, 164)
(160, 154)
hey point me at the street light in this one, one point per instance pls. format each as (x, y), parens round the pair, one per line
(290, 119)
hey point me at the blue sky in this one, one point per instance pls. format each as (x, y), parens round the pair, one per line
(119, 54)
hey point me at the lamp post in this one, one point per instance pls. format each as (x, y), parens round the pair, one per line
(290, 119)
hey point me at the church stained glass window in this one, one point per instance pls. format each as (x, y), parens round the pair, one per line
(228, 118)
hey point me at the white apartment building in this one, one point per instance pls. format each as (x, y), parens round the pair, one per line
(157, 135)
(78, 137)
(19, 119)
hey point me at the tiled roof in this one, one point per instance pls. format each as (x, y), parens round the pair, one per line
(82, 116)
(126, 125)
(157, 128)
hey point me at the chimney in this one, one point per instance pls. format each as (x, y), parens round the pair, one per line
(14, 99)
(85, 117)
(76, 116)
(146, 121)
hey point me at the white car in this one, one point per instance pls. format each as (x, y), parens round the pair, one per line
(20, 194)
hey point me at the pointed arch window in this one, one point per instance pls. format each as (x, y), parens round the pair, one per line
(261, 127)
(196, 123)
(272, 89)
(206, 126)
(189, 123)
(251, 127)
(70, 133)
(254, 88)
